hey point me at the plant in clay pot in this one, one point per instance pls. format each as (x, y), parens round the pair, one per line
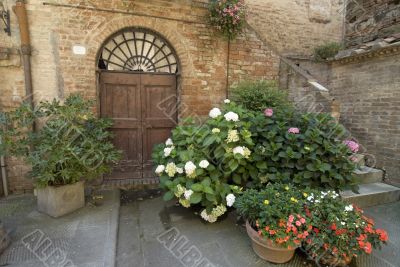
(275, 221)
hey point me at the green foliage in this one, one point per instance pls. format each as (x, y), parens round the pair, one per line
(326, 51)
(216, 142)
(228, 16)
(71, 143)
(260, 95)
(314, 157)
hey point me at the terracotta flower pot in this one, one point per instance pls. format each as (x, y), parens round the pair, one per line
(268, 250)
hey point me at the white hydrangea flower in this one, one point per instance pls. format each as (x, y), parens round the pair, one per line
(188, 194)
(179, 170)
(204, 164)
(230, 200)
(239, 150)
(233, 136)
(180, 190)
(349, 208)
(184, 202)
(231, 116)
(170, 169)
(160, 169)
(216, 130)
(227, 101)
(247, 152)
(218, 210)
(167, 151)
(190, 168)
(215, 112)
(209, 218)
(169, 142)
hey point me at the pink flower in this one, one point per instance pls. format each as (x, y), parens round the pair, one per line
(298, 223)
(269, 112)
(294, 130)
(353, 146)
(291, 218)
(302, 220)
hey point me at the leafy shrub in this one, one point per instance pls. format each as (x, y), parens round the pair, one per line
(304, 150)
(228, 16)
(71, 144)
(326, 51)
(259, 95)
(276, 212)
(206, 164)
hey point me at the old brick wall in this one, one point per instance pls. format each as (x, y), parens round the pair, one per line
(58, 72)
(368, 90)
(367, 20)
(297, 26)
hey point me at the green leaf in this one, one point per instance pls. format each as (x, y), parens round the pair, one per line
(208, 190)
(195, 198)
(168, 196)
(211, 197)
(206, 182)
(197, 187)
(237, 179)
(233, 164)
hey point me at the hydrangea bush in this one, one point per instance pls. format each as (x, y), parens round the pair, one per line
(207, 164)
(305, 150)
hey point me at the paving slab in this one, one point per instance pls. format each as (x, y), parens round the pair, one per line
(154, 233)
(84, 238)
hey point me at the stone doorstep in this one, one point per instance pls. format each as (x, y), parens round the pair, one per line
(368, 175)
(372, 194)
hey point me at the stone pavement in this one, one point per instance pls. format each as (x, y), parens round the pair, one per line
(151, 232)
(84, 238)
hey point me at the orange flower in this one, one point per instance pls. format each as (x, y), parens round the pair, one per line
(326, 246)
(272, 232)
(368, 248)
(282, 223)
(362, 237)
(369, 229)
(383, 236)
(266, 228)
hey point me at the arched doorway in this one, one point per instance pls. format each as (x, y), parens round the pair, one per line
(138, 72)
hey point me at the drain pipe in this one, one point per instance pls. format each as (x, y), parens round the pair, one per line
(3, 174)
(20, 11)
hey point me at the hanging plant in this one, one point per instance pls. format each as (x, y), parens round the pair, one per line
(228, 16)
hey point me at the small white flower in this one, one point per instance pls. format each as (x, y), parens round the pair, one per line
(238, 150)
(343, 223)
(317, 201)
(349, 208)
(227, 101)
(204, 164)
(216, 130)
(215, 112)
(190, 168)
(310, 198)
(188, 193)
(179, 170)
(169, 142)
(230, 200)
(167, 151)
(231, 116)
(160, 169)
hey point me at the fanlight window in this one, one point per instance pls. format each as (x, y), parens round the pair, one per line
(138, 50)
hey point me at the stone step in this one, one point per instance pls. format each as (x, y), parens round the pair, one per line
(368, 175)
(372, 194)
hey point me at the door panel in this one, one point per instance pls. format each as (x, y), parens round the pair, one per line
(143, 109)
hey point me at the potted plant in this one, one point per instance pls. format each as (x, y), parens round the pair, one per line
(275, 221)
(340, 230)
(71, 145)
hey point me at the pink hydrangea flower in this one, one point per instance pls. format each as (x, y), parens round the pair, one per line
(353, 146)
(294, 130)
(269, 112)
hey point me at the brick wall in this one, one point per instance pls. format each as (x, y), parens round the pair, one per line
(57, 72)
(368, 90)
(297, 26)
(367, 20)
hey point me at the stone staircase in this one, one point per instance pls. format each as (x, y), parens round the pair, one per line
(372, 189)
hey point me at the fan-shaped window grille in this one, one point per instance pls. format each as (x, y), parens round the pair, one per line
(138, 50)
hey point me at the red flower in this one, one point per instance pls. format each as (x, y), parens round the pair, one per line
(362, 237)
(316, 230)
(383, 236)
(368, 248)
(266, 228)
(326, 246)
(369, 229)
(333, 227)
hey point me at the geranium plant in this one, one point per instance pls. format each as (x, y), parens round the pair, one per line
(276, 213)
(207, 164)
(340, 230)
(228, 16)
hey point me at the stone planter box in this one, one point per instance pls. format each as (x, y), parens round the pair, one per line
(61, 200)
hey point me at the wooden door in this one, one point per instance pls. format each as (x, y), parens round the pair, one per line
(143, 109)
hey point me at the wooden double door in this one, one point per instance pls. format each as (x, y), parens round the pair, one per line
(143, 108)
